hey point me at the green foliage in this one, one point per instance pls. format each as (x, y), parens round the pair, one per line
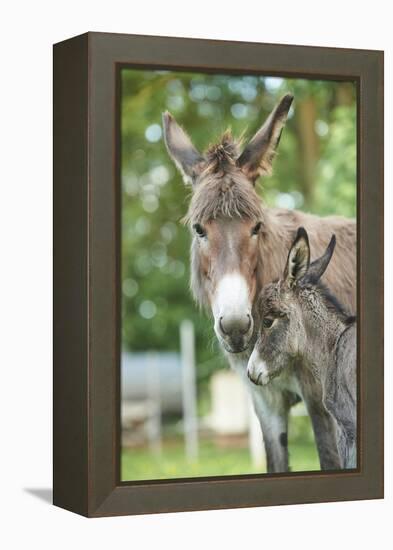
(315, 170)
(336, 188)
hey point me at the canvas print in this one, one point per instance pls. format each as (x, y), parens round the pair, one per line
(238, 274)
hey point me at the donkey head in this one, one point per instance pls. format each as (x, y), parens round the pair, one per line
(226, 220)
(293, 311)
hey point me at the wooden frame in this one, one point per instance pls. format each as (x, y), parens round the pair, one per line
(86, 271)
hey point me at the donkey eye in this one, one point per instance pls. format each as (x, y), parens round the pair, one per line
(256, 229)
(199, 230)
(267, 322)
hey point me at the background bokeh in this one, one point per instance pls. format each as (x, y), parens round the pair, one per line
(315, 171)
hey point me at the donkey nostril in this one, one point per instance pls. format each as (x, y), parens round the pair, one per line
(245, 326)
(222, 328)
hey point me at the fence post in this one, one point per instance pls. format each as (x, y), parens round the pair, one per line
(189, 389)
(154, 396)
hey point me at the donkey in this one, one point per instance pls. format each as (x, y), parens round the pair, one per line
(239, 245)
(301, 319)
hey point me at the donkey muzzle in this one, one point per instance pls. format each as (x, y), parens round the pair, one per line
(257, 370)
(235, 325)
(231, 307)
(235, 331)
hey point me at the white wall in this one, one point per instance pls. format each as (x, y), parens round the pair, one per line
(27, 31)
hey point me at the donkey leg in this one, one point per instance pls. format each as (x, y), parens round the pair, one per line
(325, 432)
(272, 409)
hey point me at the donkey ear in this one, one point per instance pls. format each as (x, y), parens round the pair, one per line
(318, 267)
(256, 159)
(188, 160)
(298, 259)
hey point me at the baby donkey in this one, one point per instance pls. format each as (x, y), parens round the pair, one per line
(304, 328)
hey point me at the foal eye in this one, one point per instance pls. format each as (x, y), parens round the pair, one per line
(199, 230)
(267, 322)
(256, 229)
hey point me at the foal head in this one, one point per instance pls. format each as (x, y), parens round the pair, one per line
(298, 315)
(226, 220)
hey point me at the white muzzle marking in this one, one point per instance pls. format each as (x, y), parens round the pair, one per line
(257, 370)
(232, 297)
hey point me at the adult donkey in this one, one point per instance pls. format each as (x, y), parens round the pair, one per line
(239, 245)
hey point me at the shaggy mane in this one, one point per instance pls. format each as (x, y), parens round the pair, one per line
(223, 154)
(333, 304)
(224, 191)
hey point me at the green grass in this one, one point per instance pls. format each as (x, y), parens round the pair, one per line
(214, 459)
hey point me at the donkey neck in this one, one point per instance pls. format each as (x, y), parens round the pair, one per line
(322, 335)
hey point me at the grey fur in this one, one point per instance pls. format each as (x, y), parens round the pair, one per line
(311, 334)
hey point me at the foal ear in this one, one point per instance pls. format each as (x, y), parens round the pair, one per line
(298, 259)
(188, 160)
(256, 159)
(318, 267)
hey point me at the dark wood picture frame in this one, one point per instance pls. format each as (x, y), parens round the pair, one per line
(86, 274)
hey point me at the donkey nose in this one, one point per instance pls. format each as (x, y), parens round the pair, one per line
(231, 324)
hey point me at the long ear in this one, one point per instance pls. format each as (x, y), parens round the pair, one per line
(318, 267)
(256, 159)
(180, 148)
(298, 259)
